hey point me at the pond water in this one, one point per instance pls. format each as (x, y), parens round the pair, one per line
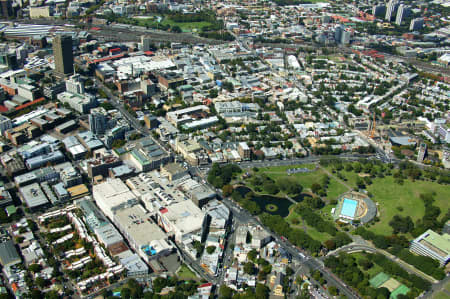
(283, 204)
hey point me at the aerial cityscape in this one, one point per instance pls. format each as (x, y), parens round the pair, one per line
(225, 149)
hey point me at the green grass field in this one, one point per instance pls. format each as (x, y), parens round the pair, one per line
(188, 26)
(311, 231)
(306, 179)
(151, 21)
(441, 295)
(390, 195)
(186, 273)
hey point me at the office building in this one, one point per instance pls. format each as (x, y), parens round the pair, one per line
(33, 196)
(6, 9)
(422, 152)
(345, 37)
(391, 9)
(8, 254)
(63, 55)
(75, 84)
(145, 43)
(433, 245)
(338, 33)
(378, 10)
(402, 12)
(97, 122)
(5, 124)
(416, 24)
(244, 151)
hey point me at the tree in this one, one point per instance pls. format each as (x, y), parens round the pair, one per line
(333, 290)
(210, 249)
(249, 268)
(227, 190)
(125, 293)
(262, 291)
(176, 29)
(252, 255)
(401, 224)
(40, 282)
(225, 292)
(315, 187)
(213, 93)
(35, 268)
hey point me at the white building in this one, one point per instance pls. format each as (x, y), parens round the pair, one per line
(5, 124)
(112, 196)
(181, 219)
(143, 235)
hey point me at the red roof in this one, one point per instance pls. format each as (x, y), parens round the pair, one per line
(106, 58)
(149, 53)
(95, 28)
(29, 104)
(163, 210)
(115, 50)
(208, 284)
(3, 109)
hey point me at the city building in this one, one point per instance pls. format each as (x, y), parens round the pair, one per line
(378, 10)
(39, 161)
(422, 152)
(173, 171)
(402, 12)
(33, 196)
(433, 245)
(181, 219)
(143, 235)
(97, 122)
(81, 103)
(391, 9)
(75, 84)
(113, 195)
(145, 43)
(416, 24)
(5, 124)
(63, 54)
(8, 254)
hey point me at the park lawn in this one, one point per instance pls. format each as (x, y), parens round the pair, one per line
(185, 273)
(311, 231)
(335, 189)
(372, 271)
(306, 179)
(447, 286)
(440, 295)
(186, 26)
(390, 195)
(326, 212)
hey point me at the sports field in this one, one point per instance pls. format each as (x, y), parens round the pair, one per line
(379, 279)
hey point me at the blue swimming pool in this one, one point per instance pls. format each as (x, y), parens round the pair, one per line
(349, 207)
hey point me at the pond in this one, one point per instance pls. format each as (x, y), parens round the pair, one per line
(272, 204)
